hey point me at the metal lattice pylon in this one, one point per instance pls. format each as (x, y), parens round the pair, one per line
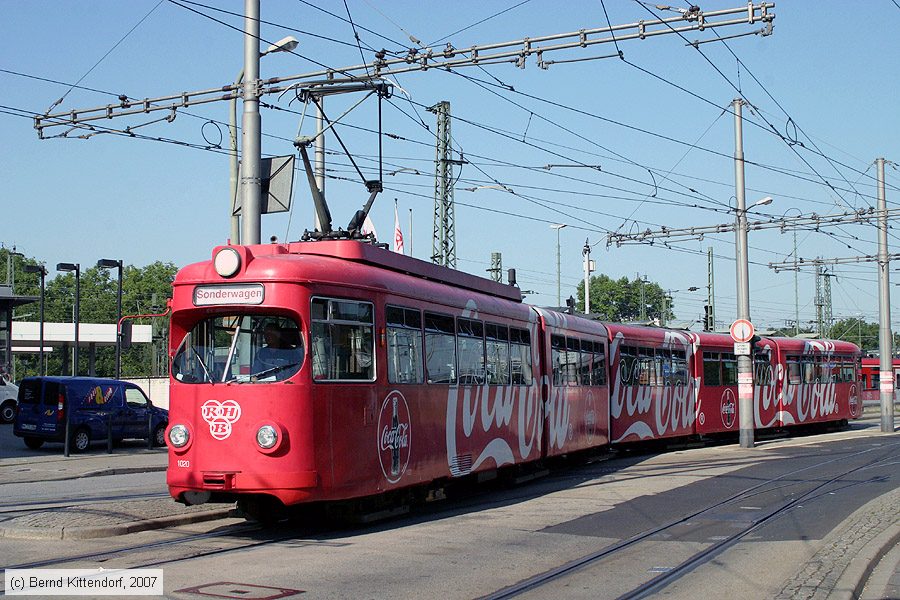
(444, 239)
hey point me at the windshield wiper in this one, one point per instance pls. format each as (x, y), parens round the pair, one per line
(273, 371)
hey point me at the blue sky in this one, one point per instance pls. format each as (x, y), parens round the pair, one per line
(827, 70)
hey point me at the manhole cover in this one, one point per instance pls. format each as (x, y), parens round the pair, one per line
(229, 589)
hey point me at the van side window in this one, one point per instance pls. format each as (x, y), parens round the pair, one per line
(135, 398)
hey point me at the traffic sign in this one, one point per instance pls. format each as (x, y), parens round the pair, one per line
(742, 349)
(742, 331)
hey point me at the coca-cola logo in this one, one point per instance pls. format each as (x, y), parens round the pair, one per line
(220, 416)
(853, 402)
(394, 436)
(728, 408)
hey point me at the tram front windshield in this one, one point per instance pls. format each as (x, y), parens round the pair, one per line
(240, 349)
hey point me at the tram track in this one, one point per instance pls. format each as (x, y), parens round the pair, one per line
(669, 576)
(63, 503)
(102, 556)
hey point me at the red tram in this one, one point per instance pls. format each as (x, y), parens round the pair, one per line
(335, 370)
(870, 375)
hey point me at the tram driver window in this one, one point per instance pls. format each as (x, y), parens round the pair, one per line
(243, 348)
(343, 341)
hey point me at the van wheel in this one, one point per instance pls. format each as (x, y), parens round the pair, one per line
(159, 435)
(34, 443)
(8, 412)
(81, 440)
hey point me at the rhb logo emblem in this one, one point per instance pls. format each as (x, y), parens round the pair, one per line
(220, 416)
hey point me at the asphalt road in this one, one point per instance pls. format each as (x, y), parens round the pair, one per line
(784, 498)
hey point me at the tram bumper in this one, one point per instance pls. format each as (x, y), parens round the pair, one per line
(226, 486)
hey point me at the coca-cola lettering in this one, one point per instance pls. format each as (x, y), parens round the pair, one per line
(487, 413)
(647, 411)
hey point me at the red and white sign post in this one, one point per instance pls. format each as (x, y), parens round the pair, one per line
(742, 332)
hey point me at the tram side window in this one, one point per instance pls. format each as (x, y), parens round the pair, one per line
(809, 369)
(628, 365)
(711, 369)
(470, 341)
(848, 370)
(823, 369)
(343, 340)
(520, 356)
(663, 367)
(573, 361)
(584, 365)
(598, 364)
(794, 375)
(762, 374)
(679, 368)
(496, 347)
(558, 358)
(646, 367)
(404, 345)
(440, 348)
(729, 369)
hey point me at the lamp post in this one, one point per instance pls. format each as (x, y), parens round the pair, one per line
(39, 269)
(557, 227)
(284, 45)
(106, 263)
(68, 267)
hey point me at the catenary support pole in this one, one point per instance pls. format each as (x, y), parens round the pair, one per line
(251, 140)
(745, 364)
(587, 277)
(885, 350)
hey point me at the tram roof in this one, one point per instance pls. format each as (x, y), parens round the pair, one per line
(365, 254)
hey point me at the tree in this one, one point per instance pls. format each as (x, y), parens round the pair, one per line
(861, 333)
(144, 290)
(620, 300)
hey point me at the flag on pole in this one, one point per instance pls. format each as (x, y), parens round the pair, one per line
(398, 235)
(368, 227)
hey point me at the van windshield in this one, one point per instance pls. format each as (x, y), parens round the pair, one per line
(240, 349)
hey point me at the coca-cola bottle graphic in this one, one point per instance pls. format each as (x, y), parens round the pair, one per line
(395, 440)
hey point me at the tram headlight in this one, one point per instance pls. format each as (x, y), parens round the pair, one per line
(227, 262)
(267, 437)
(179, 436)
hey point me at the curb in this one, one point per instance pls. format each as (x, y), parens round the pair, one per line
(120, 471)
(879, 583)
(96, 473)
(851, 583)
(100, 531)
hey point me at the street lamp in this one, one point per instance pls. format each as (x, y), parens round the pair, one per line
(68, 267)
(106, 263)
(284, 45)
(39, 269)
(557, 227)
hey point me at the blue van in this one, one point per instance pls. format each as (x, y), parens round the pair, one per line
(92, 405)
